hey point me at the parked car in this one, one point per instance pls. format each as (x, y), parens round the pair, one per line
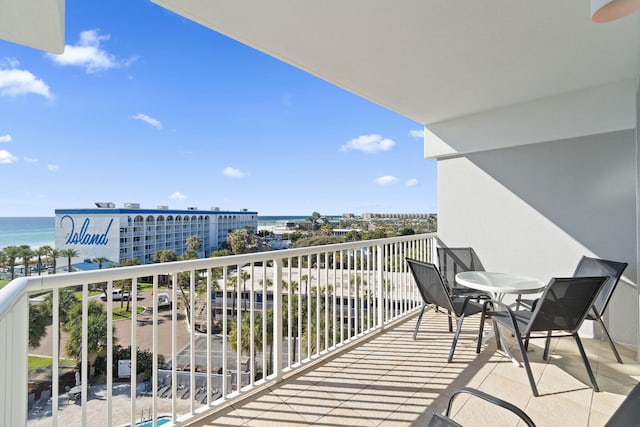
(117, 294)
(163, 301)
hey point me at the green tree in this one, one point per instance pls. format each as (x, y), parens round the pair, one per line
(125, 284)
(100, 260)
(233, 283)
(69, 254)
(96, 334)
(41, 252)
(38, 321)
(244, 276)
(67, 301)
(26, 253)
(55, 254)
(167, 255)
(245, 336)
(194, 243)
(12, 253)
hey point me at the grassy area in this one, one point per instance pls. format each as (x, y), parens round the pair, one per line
(92, 293)
(42, 361)
(3, 282)
(122, 313)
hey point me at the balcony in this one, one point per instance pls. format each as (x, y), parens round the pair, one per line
(364, 368)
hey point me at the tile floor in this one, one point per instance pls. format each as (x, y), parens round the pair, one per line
(392, 380)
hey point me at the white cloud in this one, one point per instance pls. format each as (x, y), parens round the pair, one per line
(386, 180)
(177, 196)
(150, 120)
(53, 168)
(287, 100)
(369, 144)
(5, 138)
(7, 157)
(232, 172)
(30, 160)
(88, 53)
(16, 82)
(411, 183)
(418, 134)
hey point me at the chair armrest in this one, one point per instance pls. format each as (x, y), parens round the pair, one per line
(507, 310)
(491, 399)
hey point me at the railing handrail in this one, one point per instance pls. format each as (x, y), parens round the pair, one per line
(11, 293)
(371, 273)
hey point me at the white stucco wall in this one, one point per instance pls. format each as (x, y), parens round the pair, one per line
(536, 209)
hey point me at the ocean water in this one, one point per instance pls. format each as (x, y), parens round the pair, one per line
(32, 231)
(40, 231)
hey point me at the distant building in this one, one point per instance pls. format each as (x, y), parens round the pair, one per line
(118, 234)
(369, 215)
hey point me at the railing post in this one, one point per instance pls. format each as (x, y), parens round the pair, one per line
(277, 319)
(380, 273)
(13, 364)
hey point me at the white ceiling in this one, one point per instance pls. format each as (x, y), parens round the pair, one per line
(34, 23)
(434, 60)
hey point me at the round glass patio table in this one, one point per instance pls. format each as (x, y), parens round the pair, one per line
(499, 284)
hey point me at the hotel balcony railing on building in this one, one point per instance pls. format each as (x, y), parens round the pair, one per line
(350, 290)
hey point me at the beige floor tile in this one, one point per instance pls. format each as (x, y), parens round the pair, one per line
(393, 380)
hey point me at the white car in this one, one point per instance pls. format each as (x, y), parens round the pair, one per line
(117, 295)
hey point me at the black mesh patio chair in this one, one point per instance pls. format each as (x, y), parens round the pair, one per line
(562, 307)
(445, 420)
(628, 412)
(599, 267)
(452, 261)
(435, 294)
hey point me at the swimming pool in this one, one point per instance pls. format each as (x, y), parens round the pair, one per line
(159, 421)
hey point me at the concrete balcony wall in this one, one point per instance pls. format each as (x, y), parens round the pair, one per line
(536, 209)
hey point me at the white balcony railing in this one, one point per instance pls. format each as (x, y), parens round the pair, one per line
(345, 291)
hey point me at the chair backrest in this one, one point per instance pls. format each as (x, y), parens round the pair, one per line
(430, 284)
(452, 261)
(589, 267)
(565, 303)
(45, 395)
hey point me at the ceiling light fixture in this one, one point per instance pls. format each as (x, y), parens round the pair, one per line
(610, 10)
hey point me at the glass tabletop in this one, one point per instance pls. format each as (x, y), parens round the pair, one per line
(500, 283)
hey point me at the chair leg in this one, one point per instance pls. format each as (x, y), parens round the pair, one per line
(455, 338)
(547, 344)
(586, 362)
(613, 347)
(526, 341)
(450, 322)
(415, 332)
(527, 367)
(480, 331)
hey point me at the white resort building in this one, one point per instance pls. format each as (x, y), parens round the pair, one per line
(131, 232)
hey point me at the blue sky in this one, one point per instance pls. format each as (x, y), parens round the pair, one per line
(145, 106)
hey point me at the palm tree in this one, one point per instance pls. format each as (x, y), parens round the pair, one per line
(194, 243)
(69, 253)
(96, 335)
(67, 301)
(233, 282)
(244, 276)
(165, 255)
(126, 283)
(26, 253)
(12, 253)
(245, 337)
(54, 254)
(42, 251)
(100, 260)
